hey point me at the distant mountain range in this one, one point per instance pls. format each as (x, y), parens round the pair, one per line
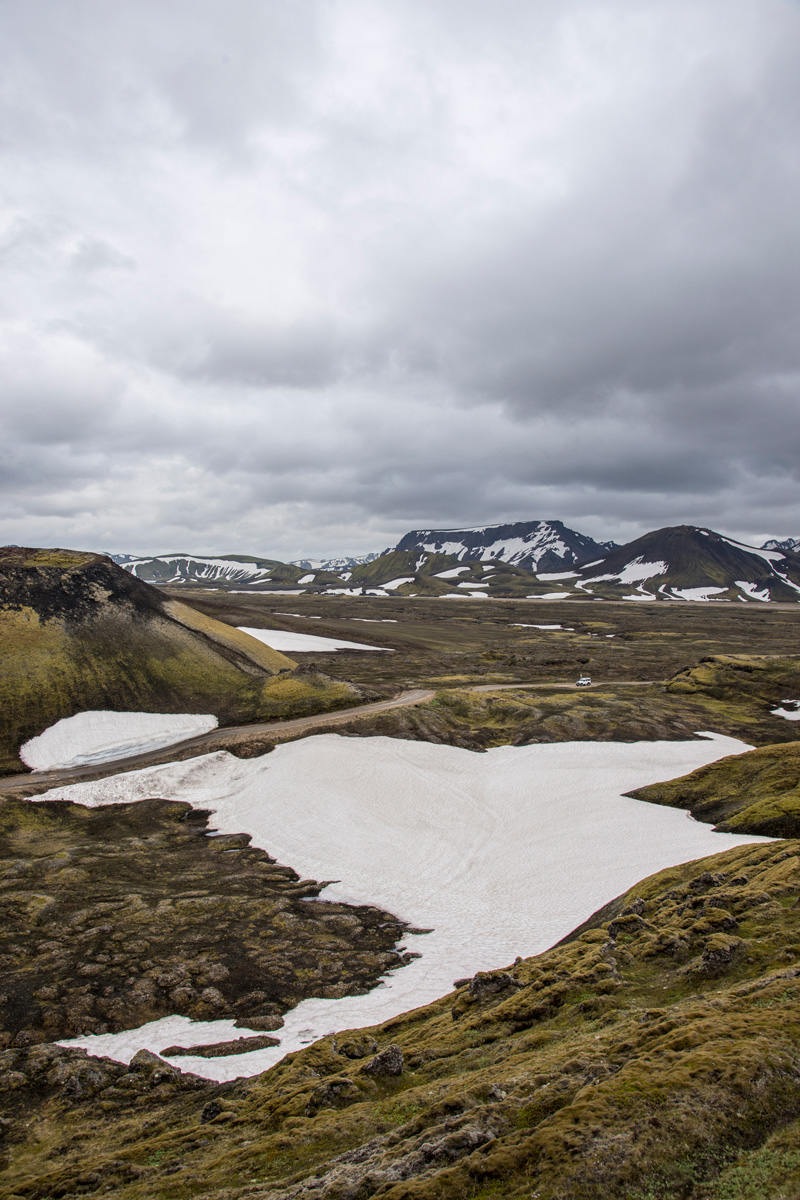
(536, 559)
(334, 564)
(534, 545)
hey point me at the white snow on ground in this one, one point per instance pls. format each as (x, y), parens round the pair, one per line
(752, 590)
(281, 639)
(640, 596)
(550, 596)
(477, 584)
(547, 575)
(788, 714)
(518, 626)
(770, 555)
(453, 572)
(307, 579)
(396, 583)
(500, 853)
(96, 737)
(697, 593)
(634, 572)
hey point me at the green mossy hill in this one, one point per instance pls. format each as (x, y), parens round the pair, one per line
(305, 691)
(651, 1056)
(115, 916)
(77, 633)
(757, 792)
(768, 679)
(423, 569)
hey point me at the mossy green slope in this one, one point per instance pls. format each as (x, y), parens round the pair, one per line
(78, 633)
(651, 1056)
(757, 792)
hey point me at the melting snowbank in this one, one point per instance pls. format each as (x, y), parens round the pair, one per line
(282, 639)
(97, 737)
(501, 853)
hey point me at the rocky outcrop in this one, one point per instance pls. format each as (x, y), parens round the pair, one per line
(115, 916)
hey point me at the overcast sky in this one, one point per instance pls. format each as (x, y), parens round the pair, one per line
(291, 277)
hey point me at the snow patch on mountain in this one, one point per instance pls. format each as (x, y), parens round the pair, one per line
(634, 572)
(334, 564)
(698, 593)
(752, 590)
(522, 544)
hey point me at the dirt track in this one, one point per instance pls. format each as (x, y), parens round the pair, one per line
(242, 736)
(205, 743)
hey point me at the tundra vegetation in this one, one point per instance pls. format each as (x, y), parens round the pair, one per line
(650, 1056)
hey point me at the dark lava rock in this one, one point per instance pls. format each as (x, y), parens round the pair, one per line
(388, 1062)
(221, 1049)
(115, 916)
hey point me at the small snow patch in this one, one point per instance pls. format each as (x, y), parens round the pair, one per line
(281, 639)
(97, 737)
(788, 714)
(698, 593)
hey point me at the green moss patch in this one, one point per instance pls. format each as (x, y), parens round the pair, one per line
(757, 792)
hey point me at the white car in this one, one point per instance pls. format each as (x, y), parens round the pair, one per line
(584, 681)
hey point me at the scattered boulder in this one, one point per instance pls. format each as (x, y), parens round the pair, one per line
(388, 1062)
(356, 1047)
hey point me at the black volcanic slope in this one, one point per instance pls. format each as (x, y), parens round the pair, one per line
(536, 545)
(682, 556)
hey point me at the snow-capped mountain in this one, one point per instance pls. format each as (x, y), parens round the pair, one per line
(687, 563)
(224, 570)
(334, 564)
(791, 544)
(534, 545)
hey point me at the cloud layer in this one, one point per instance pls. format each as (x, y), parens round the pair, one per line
(293, 279)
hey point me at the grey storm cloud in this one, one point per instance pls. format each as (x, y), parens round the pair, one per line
(291, 279)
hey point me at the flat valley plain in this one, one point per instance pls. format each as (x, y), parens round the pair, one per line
(455, 647)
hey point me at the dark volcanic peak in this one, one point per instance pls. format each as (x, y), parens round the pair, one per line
(534, 545)
(686, 563)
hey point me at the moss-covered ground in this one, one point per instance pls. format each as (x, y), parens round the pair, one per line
(652, 1056)
(757, 792)
(115, 916)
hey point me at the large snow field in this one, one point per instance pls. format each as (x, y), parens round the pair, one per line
(97, 737)
(281, 639)
(500, 853)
